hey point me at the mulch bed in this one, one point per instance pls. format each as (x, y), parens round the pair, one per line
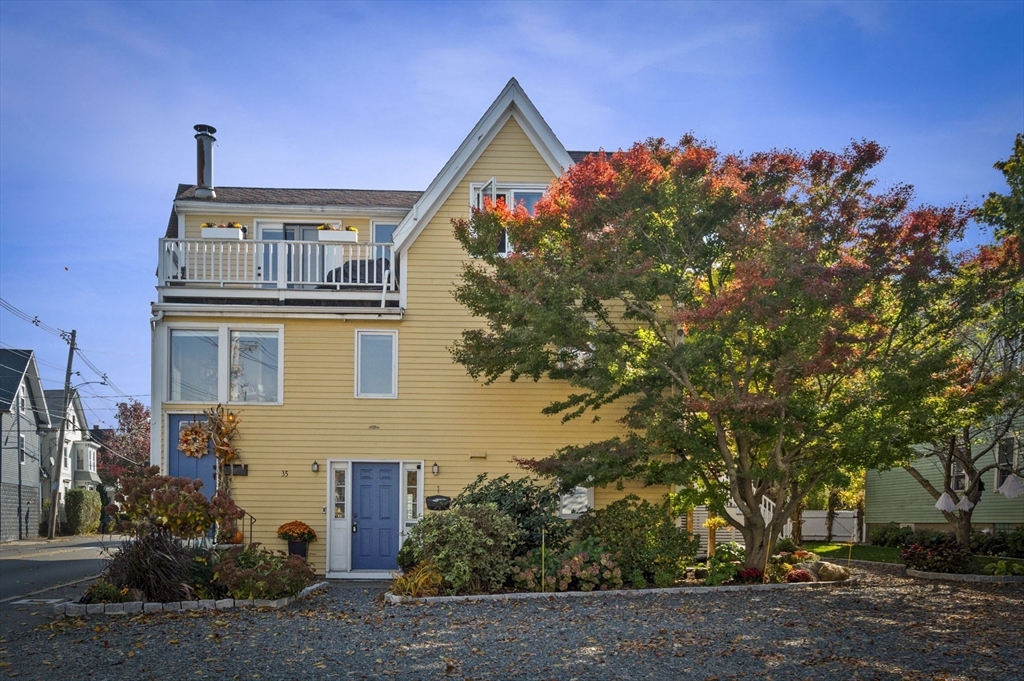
(885, 627)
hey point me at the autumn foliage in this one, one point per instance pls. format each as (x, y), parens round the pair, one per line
(764, 319)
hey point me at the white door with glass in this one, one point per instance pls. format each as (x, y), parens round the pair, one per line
(338, 519)
(297, 257)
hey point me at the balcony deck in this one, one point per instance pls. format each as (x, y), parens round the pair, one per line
(293, 273)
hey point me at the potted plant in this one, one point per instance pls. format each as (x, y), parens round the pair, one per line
(298, 535)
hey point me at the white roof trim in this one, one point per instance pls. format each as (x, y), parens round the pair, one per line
(186, 207)
(511, 103)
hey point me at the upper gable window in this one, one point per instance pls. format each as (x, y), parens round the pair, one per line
(511, 194)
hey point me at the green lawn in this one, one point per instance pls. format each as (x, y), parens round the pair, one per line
(837, 552)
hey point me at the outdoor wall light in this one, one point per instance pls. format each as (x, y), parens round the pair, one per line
(315, 467)
(434, 469)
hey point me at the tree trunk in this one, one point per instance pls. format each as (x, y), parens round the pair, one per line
(962, 528)
(830, 515)
(797, 534)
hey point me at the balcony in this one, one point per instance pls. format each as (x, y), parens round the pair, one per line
(297, 273)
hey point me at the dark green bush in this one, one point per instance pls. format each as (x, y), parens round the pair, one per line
(1015, 542)
(102, 591)
(939, 554)
(154, 564)
(786, 545)
(470, 545)
(989, 543)
(82, 509)
(252, 572)
(532, 507)
(644, 539)
(891, 535)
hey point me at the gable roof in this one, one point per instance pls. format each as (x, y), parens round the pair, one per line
(55, 401)
(512, 102)
(17, 367)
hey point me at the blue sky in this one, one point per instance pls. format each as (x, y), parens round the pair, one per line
(98, 100)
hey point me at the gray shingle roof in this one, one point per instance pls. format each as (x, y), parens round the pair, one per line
(13, 364)
(578, 156)
(363, 198)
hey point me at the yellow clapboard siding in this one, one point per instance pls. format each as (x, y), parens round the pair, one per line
(441, 414)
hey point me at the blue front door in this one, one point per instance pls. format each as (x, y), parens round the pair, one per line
(375, 517)
(181, 466)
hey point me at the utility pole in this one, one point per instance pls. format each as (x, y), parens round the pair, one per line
(55, 483)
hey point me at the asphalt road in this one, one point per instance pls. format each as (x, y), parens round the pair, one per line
(34, 575)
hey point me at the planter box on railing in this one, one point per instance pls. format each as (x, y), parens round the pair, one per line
(222, 233)
(337, 235)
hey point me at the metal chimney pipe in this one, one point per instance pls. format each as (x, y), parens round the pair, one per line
(204, 161)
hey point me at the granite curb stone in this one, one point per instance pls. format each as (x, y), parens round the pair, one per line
(978, 579)
(137, 607)
(401, 600)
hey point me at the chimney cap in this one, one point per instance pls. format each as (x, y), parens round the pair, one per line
(201, 128)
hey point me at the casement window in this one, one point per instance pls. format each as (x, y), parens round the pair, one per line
(377, 364)
(80, 461)
(577, 502)
(1004, 468)
(383, 232)
(223, 364)
(511, 194)
(21, 403)
(21, 449)
(92, 460)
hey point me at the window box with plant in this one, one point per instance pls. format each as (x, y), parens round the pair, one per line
(223, 230)
(336, 234)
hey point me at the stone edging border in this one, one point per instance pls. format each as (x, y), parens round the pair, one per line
(405, 600)
(138, 607)
(978, 579)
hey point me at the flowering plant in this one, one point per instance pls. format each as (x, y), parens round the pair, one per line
(794, 576)
(352, 229)
(223, 225)
(326, 227)
(296, 530)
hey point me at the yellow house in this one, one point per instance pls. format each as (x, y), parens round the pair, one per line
(323, 319)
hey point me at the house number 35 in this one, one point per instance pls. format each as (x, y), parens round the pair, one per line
(284, 474)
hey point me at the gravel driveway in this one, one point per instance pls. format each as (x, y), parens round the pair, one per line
(886, 627)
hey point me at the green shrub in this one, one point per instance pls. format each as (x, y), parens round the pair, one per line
(891, 535)
(102, 591)
(533, 508)
(989, 543)
(252, 572)
(44, 518)
(154, 564)
(940, 554)
(725, 564)
(470, 545)
(82, 510)
(583, 567)
(643, 538)
(1015, 542)
(786, 545)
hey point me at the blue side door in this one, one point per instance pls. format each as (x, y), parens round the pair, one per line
(181, 466)
(375, 518)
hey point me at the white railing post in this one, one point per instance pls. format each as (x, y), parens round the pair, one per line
(282, 264)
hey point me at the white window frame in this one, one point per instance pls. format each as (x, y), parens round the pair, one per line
(224, 360)
(1003, 471)
(957, 476)
(478, 191)
(357, 373)
(382, 223)
(22, 458)
(21, 401)
(407, 520)
(590, 502)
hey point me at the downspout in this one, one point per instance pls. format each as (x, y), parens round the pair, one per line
(156, 414)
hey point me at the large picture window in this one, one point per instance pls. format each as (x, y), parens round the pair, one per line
(194, 355)
(225, 364)
(377, 364)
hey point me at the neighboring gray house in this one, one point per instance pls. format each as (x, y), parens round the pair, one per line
(23, 419)
(78, 466)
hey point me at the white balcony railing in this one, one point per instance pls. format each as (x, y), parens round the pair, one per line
(282, 265)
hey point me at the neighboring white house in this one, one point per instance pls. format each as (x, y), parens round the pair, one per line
(78, 454)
